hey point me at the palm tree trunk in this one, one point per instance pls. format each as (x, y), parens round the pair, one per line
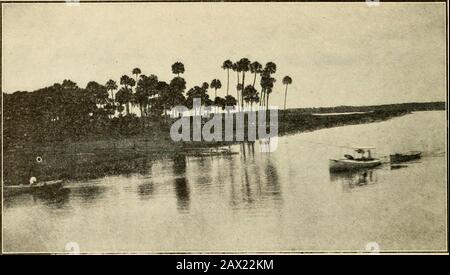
(254, 81)
(285, 94)
(242, 90)
(263, 97)
(127, 106)
(228, 80)
(237, 90)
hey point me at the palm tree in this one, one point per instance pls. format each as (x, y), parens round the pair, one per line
(244, 65)
(230, 101)
(287, 80)
(255, 68)
(127, 92)
(227, 65)
(141, 96)
(250, 95)
(266, 86)
(215, 84)
(178, 68)
(269, 69)
(123, 97)
(111, 86)
(136, 72)
(236, 68)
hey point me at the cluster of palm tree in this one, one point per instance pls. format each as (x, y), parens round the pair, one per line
(68, 108)
(152, 96)
(249, 95)
(146, 92)
(64, 109)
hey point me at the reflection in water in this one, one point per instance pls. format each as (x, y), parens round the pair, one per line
(282, 201)
(179, 164)
(248, 192)
(180, 182)
(53, 200)
(395, 167)
(145, 190)
(89, 193)
(273, 183)
(56, 199)
(182, 192)
(144, 167)
(357, 178)
(255, 180)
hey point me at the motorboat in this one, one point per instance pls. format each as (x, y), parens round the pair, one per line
(360, 157)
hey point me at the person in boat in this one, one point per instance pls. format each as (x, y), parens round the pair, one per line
(349, 157)
(363, 156)
(33, 181)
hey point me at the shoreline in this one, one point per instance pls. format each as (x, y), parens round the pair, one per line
(93, 159)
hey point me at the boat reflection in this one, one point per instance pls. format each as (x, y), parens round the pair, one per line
(88, 193)
(355, 179)
(398, 166)
(56, 199)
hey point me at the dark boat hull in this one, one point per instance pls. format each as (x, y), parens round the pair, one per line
(397, 158)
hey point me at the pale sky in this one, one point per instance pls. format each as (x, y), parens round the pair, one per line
(336, 53)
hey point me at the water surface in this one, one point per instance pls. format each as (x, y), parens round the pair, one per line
(283, 201)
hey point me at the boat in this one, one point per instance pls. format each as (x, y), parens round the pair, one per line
(403, 157)
(46, 186)
(207, 152)
(361, 157)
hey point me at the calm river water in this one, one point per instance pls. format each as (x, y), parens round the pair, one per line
(283, 201)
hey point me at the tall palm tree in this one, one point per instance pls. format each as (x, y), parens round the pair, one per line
(244, 65)
(236, 68)
(266, 85)
(227, 65)
(178, 68)
(111, 86)
(250, 95)
(287, 80)
(255, 68)
(136, 72)
(215, 84)
(269, 69)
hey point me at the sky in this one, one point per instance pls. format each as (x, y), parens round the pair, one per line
(335, 53)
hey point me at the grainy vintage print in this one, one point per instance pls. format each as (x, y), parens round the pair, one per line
(265, 127)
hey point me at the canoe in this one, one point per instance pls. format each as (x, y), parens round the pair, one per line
(348, 164)
(46, 186)
(403, 157)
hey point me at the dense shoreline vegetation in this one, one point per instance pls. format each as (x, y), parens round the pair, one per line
(65, 111)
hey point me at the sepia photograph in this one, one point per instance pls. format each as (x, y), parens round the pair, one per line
(224, 128)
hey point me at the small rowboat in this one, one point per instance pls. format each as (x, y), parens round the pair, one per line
(46, 186)
(403, 157)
